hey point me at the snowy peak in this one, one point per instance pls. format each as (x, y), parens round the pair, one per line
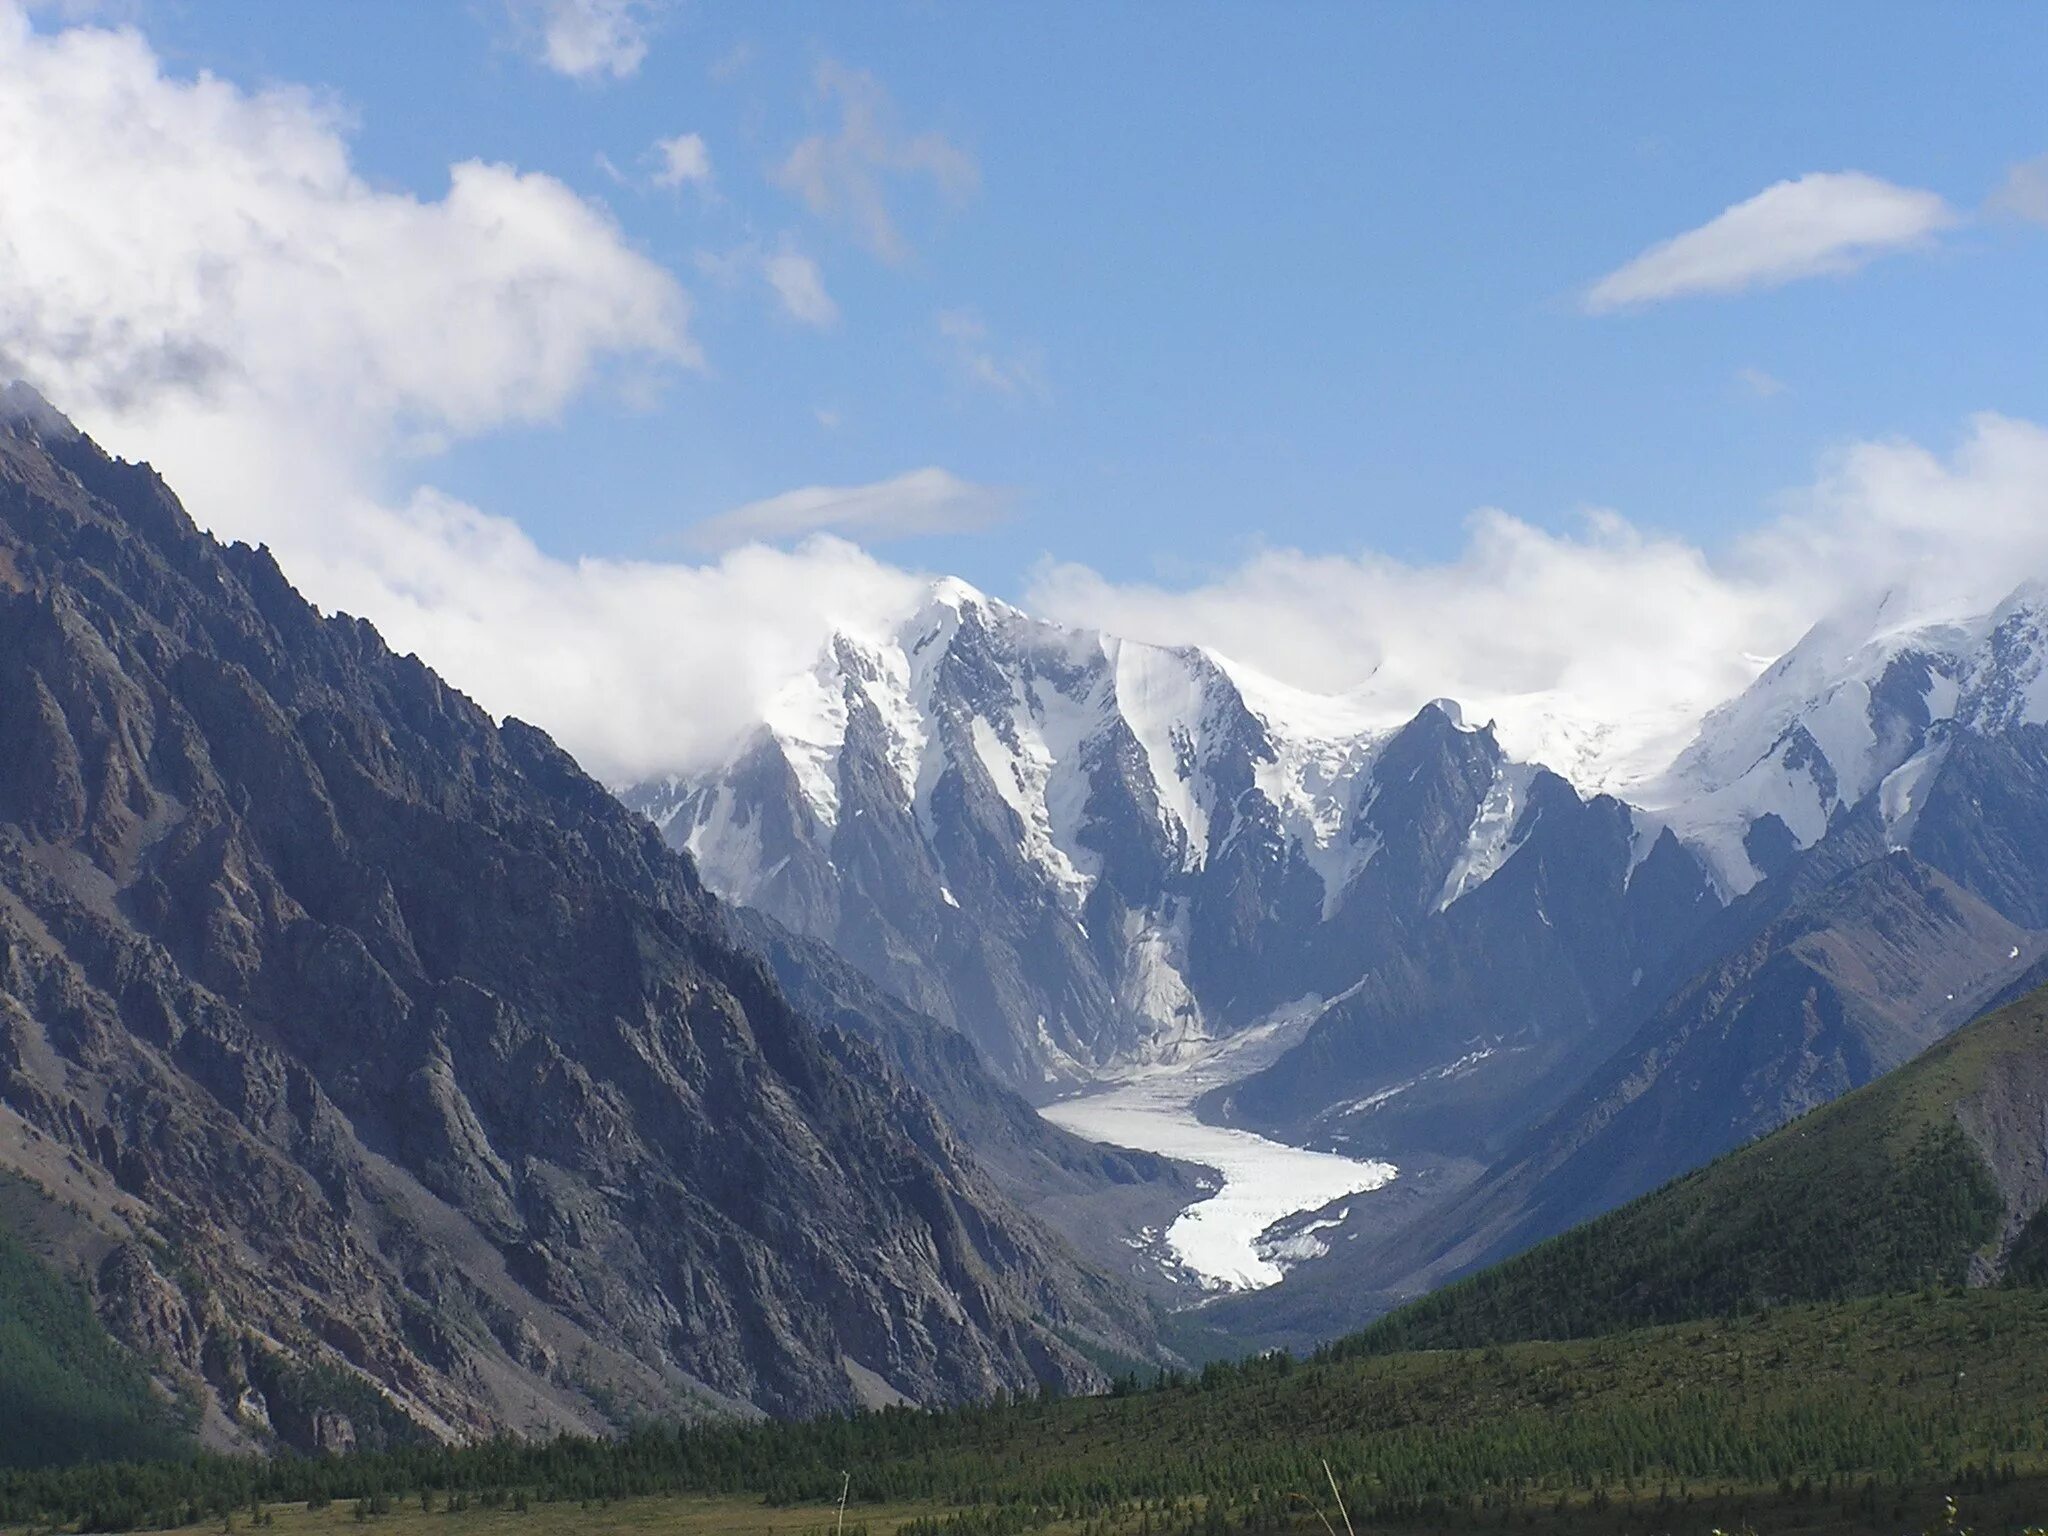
(1111, 845)
(1865, 704)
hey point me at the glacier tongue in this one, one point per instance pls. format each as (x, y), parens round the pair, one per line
(1261, 1182)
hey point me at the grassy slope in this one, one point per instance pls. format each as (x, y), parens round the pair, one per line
(67, 1390)
(1877, 1192)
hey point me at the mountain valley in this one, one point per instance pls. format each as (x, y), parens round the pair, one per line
(1110, 864)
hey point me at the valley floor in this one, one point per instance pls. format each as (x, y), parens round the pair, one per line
(2016, 1507)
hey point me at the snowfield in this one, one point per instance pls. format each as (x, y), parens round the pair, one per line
(1151, 1106)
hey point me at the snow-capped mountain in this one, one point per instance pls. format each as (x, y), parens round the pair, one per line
(1871, 705)
(1088, 853)
(1080, 849)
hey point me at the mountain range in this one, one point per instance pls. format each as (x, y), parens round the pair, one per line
(381, 1075)
(1538, 997)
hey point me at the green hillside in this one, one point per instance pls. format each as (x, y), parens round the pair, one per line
(67, 1391)
(1879, 1192)
(1860, 1412)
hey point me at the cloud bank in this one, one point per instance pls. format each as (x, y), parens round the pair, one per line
(1819, 224)
(1598, 651)
(199, 277)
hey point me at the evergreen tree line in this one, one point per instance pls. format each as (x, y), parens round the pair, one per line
(1908, 1391)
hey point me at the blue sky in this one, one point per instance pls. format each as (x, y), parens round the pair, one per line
(1306, 276)
(1567, 360)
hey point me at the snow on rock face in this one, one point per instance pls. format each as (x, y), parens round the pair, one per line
(1036, 704)
(1317, 773)
(1030, 766)
(1492, 837)
(1863, 704)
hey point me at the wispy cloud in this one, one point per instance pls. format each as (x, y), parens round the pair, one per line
(974, 357)
(1759, 383)
(1816, 225)
(682, 161)
(924, 501)
(2024, 191)
(845, 175)
(588, 39)
(793, 277)
(801, 288)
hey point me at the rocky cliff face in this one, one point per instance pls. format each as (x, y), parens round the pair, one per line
(422, 1083)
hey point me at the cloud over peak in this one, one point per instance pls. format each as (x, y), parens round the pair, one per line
(1827, 222)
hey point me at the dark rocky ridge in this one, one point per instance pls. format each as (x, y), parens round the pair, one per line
(1850, 962)
(412, 1077)
(1095, 1195)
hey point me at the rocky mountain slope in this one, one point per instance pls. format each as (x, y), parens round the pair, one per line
(1094, 1195)
(395, 1078)
(1850, 959)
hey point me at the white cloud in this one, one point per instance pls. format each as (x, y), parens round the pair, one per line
(923, 501)
(801, 287)
(638, 667)
(1759, 383)
(172, 246)
(845, 175)
(2025, 191)
(1818, 224)
(685, 161)
(1600, 650)
(198, 276)
(587, 39)
(975, 358)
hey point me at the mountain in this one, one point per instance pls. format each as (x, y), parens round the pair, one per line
(1884, 730)
(1081, 850)
(387, 1077)
(1538, 1000)
(1936, 1174)
(1532, 998)
(1860, 936)
(1939, 720)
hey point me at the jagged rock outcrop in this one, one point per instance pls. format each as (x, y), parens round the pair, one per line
(431, 1081)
